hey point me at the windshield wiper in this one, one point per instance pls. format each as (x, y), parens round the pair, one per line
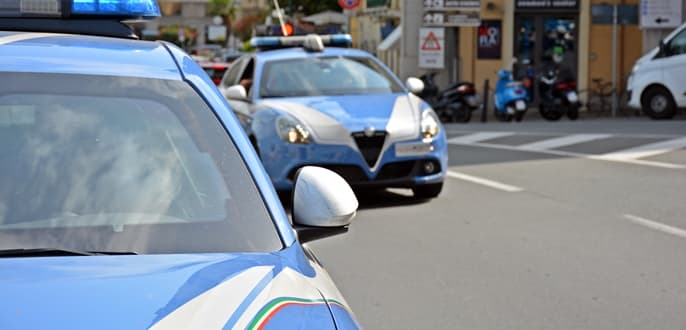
(48, 252)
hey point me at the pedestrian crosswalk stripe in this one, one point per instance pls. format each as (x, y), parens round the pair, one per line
(478, 137)
(564, 141)
(647, 150)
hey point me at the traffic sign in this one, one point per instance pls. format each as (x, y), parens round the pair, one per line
(432, 48)
(349, 4)
(660, 13)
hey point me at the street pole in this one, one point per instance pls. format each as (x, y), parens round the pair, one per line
(614, 60)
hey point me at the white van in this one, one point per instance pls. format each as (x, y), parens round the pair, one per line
(657, 83)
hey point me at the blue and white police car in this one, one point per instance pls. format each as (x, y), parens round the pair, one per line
(130, 195)
(313, 101)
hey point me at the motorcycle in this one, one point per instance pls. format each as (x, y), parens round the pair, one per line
(509, 98)
(455, 103)
(558, 96)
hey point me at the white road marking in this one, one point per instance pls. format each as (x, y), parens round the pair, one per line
(576, 155)
(656, 225)
(484, 182)
(647, 150)
(480, 136)
(562, 141)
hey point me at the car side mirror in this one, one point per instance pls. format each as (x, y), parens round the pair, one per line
(323, 204)
(414, 85)
(236, 92)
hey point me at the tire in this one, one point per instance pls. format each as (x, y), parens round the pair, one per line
(548, 114)
(658, 103)
(426, 191)
(519, 115)
(462, 116)
(573, 112)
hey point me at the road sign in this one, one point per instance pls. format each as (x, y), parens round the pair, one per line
(660, 14)
(432, 48)
(451, 19)
(452, 5)
(349, 4)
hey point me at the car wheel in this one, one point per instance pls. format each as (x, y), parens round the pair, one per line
(658, 103)
(427, 191)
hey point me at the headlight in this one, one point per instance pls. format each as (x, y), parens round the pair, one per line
(430, 124)
(291, 131)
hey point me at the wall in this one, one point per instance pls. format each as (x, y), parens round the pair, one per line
(652, 37)
(478, 71)
(629, 48)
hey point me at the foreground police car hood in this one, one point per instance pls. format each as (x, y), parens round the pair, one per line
(201, 291)
(334, 117)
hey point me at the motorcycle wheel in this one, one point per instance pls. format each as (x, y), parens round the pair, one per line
(519, 115)
(462, 115)
(573, 112)
(548, 113)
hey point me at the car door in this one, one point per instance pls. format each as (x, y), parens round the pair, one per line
(674, 67)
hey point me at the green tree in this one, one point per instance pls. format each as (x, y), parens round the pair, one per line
(309, 7)
(223, 8)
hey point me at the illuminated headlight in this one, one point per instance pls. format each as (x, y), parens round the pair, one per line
(430, 124)
(291, 131)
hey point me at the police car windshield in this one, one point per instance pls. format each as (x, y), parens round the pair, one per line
(93, 163)
(325, 76)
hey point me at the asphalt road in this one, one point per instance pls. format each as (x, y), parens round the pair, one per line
(541, 226)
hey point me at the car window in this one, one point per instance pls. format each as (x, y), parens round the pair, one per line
(677, 46)
(231, 76)
(325, 76)
(122, 164)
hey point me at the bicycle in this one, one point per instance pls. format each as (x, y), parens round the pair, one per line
(599, 100)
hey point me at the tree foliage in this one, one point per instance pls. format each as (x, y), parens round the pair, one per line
(309, 7)
(224, 8)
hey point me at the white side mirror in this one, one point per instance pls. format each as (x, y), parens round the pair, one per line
(236, 92)
(414, 85)
(322, 198)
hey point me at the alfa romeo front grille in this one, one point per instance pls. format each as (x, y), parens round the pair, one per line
(370, 145)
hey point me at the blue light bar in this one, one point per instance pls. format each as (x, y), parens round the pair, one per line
(118, 8)
(80, 8)
(334, 40)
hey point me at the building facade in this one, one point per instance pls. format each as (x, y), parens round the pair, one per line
(529, 34)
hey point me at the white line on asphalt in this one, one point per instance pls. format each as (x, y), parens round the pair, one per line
(647, 150)
(656, 225)
(480, 136)
(577, 155)
(562, 141)
(484, 182)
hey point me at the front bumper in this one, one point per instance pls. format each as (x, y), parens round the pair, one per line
(402, 165)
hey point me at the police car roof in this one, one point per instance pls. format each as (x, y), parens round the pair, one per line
(78, 54)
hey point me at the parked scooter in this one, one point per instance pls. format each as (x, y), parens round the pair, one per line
(455, 103)
(558, 96)
(509, 97)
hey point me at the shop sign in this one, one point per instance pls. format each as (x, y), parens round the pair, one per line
(489, 39)
(656, 14)
(432, 48)
(454, 5)
(547, 4)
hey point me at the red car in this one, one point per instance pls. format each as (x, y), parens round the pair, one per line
(215, 70)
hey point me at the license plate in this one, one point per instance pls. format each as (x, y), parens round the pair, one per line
(572, 97)
(413, 149)
(472, 101)
(520, 105)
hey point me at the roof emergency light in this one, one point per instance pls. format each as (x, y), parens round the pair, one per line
(79, 8)
(311, 42)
